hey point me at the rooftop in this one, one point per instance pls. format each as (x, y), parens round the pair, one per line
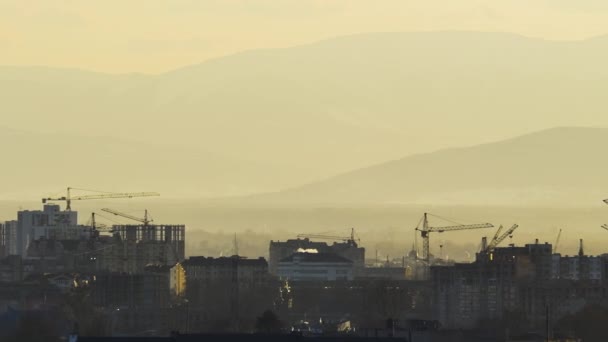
(176, 337)
(208, 261)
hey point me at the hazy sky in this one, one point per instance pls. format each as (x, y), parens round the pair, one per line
(154, 36)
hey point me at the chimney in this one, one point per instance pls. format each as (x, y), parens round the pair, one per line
(484, 243)
(580, 248)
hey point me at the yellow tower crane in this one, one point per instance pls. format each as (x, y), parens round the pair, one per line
(68, 198)
(145, 220)
(606, 225)
(425, 229)
(559, 235)
(350, 239)
(498, 238)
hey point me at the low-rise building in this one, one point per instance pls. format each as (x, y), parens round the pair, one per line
(64, 282)
(177, 280)
(315, 267)
(149, 289)
(11, 269)
(227, 292)
(390, 272)
(10, 237)
(208, 269)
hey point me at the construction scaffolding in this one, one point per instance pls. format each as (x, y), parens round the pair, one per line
(149, 244)
(151, 232)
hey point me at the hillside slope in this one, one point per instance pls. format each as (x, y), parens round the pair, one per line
(556, 166)
(321, 109)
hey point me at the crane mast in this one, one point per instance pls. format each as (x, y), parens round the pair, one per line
(497, 234)
(559, 234)
(426, 229)
(606, 225)
(96, 226)
(68, 198)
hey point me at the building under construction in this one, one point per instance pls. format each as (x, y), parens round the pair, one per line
(135, 246)
(129, 248)
(53, 238)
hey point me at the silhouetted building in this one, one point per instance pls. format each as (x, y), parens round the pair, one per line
(226, 294)
(388, 272)
(150, 289)
(520, 281)
(577, 267)
(50, 222)
(11, 269)
(10, 237)
(466, 293)
(250, 272)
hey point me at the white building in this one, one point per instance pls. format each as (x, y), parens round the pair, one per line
(10, 237)
(315, 267)
(35, 224)
(578, 267)
(63, 282)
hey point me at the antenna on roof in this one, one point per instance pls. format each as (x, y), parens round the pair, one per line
(235, 246)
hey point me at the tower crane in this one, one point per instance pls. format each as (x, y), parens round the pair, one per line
(93, 223)
(145, 220)
(96, 226)
(497, 239)
(426, 229)
(68, 198)
(350, 239)
(557, 240)
(606, 225)
(497, 234)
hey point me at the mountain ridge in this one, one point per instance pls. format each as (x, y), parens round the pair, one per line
(533, 143)
(325, 108)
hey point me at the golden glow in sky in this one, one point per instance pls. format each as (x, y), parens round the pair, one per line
(155, 36)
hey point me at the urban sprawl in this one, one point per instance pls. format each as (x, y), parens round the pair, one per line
(134, 279)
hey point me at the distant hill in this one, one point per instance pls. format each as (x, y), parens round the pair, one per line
(36, 164)
(565, 166)
(308, 112)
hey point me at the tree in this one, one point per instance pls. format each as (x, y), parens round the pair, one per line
(268, 323)
(34, 327)
(589, 324)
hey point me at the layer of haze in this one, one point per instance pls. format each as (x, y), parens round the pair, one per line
(272, 119)
(154, 36)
